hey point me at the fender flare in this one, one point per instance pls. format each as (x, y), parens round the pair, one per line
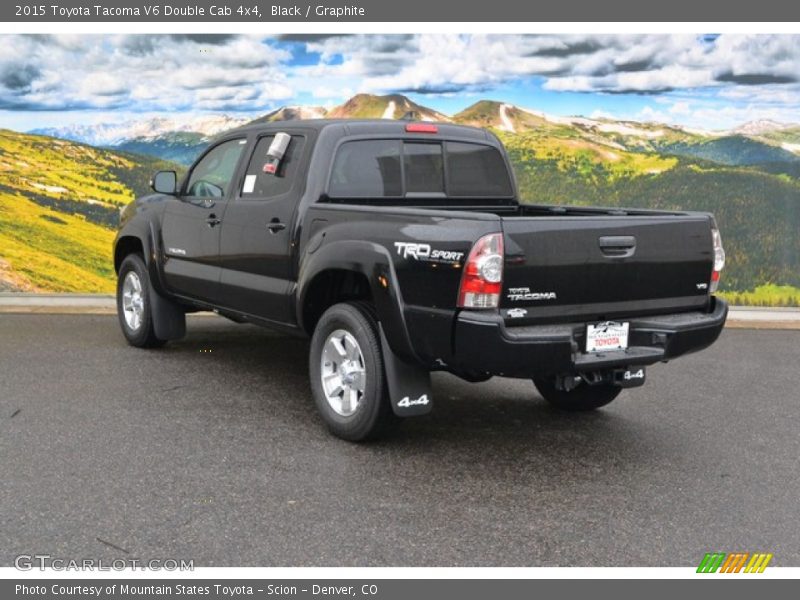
(146, 233)
(374, 262)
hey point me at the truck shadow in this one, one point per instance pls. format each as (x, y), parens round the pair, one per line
(487, 423)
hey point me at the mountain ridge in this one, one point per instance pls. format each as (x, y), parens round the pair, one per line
(113, 134)
(62, 197)
(181, 139)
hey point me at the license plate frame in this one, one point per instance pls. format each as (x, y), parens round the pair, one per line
(607, 336)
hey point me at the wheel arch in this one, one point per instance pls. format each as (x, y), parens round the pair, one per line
(125, 245)
(139, 236)
(353, 270)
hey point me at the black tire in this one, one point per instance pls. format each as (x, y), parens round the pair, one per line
(583, 398)
(143, 335)
(373, 414)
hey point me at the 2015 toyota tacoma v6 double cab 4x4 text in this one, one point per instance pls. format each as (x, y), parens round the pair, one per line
(401, 248)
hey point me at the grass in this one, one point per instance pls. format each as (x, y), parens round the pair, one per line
(61, 254)
(59, 204)
(594, 161)
(766, 295)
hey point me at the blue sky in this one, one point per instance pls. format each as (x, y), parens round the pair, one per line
(709, 82)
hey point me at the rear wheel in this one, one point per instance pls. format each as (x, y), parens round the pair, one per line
(133, 304)
(582, 398)
(347, 376)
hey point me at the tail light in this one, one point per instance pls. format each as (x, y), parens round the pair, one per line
(719, 259)
(422, 128)
(482, 278)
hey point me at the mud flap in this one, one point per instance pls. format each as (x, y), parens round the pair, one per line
(169, 319)
(409, 385)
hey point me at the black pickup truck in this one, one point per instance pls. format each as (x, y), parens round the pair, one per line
(401, 248)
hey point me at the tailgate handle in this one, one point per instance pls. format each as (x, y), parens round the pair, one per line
(617, 246)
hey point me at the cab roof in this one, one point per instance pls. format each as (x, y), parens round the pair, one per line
(369, 126)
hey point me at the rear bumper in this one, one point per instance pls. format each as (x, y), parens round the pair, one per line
(483, 343)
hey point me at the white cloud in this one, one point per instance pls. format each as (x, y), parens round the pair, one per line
(606, 63)
(735, 76)
(680, 108)
(142, 73)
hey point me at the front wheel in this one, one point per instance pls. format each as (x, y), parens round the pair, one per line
(133, 304)
(582, 398)
(347, 376)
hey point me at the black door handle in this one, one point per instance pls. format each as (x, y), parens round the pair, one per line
(275, 226)
(212, 220)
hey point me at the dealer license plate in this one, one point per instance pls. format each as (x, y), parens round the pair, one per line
(606, 336)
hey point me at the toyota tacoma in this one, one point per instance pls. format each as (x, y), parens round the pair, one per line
(401, 248)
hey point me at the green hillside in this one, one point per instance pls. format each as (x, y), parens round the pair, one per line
(730, 150)
(788, 135)
(59, 200)
(59, 205)
(490, 113)
(758, 212)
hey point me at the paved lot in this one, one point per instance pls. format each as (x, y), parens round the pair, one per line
(210, 449)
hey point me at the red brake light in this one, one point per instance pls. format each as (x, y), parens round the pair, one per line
(482, 278)
(719, 260)
(422, 128)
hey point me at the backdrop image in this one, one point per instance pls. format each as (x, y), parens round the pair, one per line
(655, 121)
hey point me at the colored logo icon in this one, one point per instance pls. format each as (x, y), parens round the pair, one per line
(736, 562)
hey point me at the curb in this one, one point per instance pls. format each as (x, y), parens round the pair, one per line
(760, 317)
(87, 304)
(739, 317)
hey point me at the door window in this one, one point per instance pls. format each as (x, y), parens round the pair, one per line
(260, 184)
(212, 176)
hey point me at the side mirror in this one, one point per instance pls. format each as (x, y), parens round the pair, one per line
(165, 182)
(276, 151)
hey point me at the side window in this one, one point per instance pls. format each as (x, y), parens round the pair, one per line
(259, 184)
(476, 170)
(367, 168)
(424, 171)
(212, 176)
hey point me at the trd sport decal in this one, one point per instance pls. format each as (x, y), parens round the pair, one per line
(424, 253)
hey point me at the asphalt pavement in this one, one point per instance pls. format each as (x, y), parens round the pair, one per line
(210, 449)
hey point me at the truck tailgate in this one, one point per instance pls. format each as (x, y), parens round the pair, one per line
(605, 267)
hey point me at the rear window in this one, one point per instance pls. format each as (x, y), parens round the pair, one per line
(369, 168)
(393, 168)
(476, 170)
(424, 170)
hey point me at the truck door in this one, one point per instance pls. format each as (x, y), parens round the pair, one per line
(255, 249)
(191, 227)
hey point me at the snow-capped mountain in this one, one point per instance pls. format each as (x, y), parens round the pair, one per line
(391, 106)
(115, 134)
(293, 113)
(761, 127)
(181, 138)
